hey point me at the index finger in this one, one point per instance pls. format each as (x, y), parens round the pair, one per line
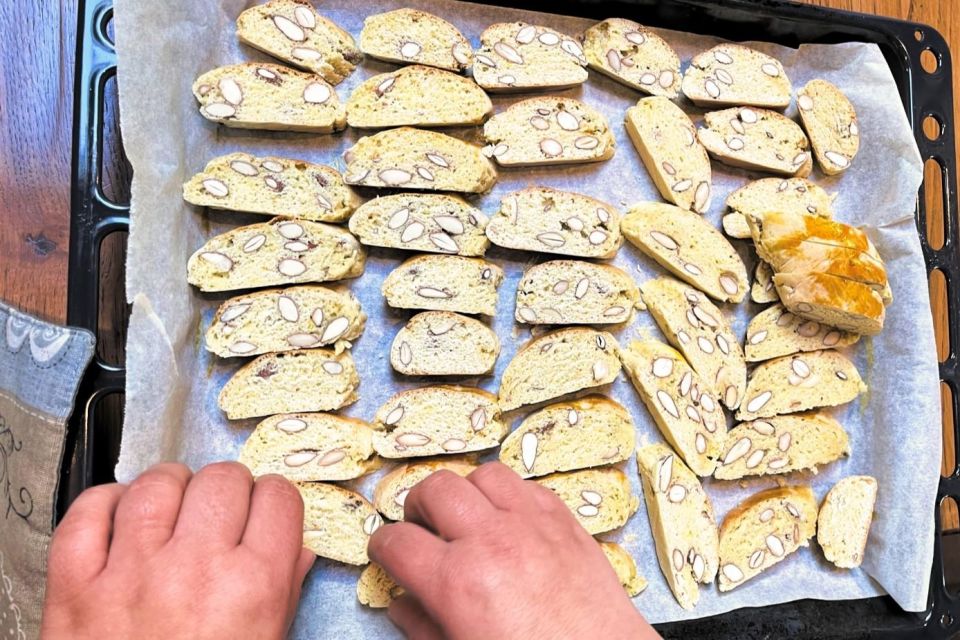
(410, 554)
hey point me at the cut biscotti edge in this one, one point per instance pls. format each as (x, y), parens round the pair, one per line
(516, 56)
(576, 292)
(375, 588)
(442, 343)
(337, 523)
(776, 332)
(600, 499)
(634, 56)
(444, 283)
(734, 75)
(786, 196)
(843, 525)
(410, 36)
(625, 567)
(757, 139)
(831, 123)
(763, 291)
(391, 491)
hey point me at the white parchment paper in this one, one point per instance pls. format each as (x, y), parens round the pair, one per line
(172, 382)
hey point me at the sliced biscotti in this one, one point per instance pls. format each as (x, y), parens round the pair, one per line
(390, 494)
(552, 221)
(757, 139)
(800, 382)
(600, 499)
(687, 414)
(337, 523)
(831, 122)
(291, 382)
(444, 283)
(516, 56)
(375, 588)
(576, 292)
(548, 130)
(409, 36)
(698, 329)
(762, 290)
(782, 444)
(558, 363)
(734, 75)
(435, 420)
(633, 55)
(257, 95)
(411, 158)
(844, 304)
(775, 232)
(763, 530)
(442, 343)
(278, 252)
(688, 246)
(625, 567)
(409, 96)
(589, 432)
(294, 32)
(310, 447)
(844, 521)
(667, 142)
(776, 332)
(433, 222)
(787, 196)
(681, 520)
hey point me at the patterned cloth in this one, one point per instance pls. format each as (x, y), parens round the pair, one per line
(40, 369)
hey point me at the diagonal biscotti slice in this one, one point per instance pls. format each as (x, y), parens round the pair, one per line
(558, 363)
(800, 382)
(432, 222)
(290, 382)
(310, 447)
(633, 55)
(687, 415)
(417, 96)
(411, 158)
(667, 142)
(375, 588)
(782, 444)
(776, 332)
(786, 196)
(337, 523)
(763, 530)
(757, 139)
(273, 253)
(390, 494)
(698, 329)
(435, 420)
(762, 290)
(442, 343)
(600, 499)
(845, 304)
(734, 75)
(270, 185)
(444, 283)
(552, 221)
(292, 31)
(681, 520)
(589, 432)
(625, 567)
(689, 247)
(284, 319)
(576, 292)
(409, 36)
(831, 122)
(516, 56)
(257, 95)
(843, 525)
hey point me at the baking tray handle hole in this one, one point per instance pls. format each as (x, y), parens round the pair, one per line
(940, 294)
(115, 173)
(113, 312)
(933, 198)
(930, 60)
(105, 425)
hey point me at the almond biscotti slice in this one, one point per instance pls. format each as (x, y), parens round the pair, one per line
(442, 343)
(734, 75)
(375, 588)
(633, 55)
(548, 130)
(516, 56)
(763, 530)
(290, 382)
(433, 222)
(337, 523)
(600, 499)
(436, 420)
(576, 292)
(409, 36)
(757, 139)
(762, 290)
(310, 447)
(444, 283)
(278, 252)
(390, 494)
(800, 382)
(257, 95)
(409, 96)
(844, 304)
(699, 330)
(787, 196)
(776, 332)
(625, 567)
(686, 413)
(831, 122)
(552, 221)
(292, 31)
(411, 158)
(558, 363)
(681, 520)
(843, 525)
(667, 142)
(689, 247)
(589, 432)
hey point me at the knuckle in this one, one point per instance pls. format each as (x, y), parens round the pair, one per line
(279, 488)
(229, 472)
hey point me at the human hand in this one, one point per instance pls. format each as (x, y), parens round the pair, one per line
(492, 556)
(178, 555)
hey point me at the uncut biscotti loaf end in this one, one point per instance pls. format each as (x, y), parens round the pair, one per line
(444, 283)
(337, 523)
(517, 56)
(843, 525)
(410, 36)
(633, 55)
(831, 122)
(576, 292)
(734, 75)
(442, 343)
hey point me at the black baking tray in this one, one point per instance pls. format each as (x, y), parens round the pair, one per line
(92, 443)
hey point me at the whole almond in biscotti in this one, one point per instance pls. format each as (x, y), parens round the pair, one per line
(409, 36)
(757, 139)
(625, 567)
(776, 332)
(600, 499)
(843, 525)
(375, 588)
(666, 140)
(442, 343)
(689, 247)
(516, 56)
(633, 55)
(444, 283)
(576, 292)
(257, 95)
(391, 492)
(831, 122)
(337, 523)
(837, 302)
(787, 196)
(548, 130)
(762, 290)
(734, 75)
